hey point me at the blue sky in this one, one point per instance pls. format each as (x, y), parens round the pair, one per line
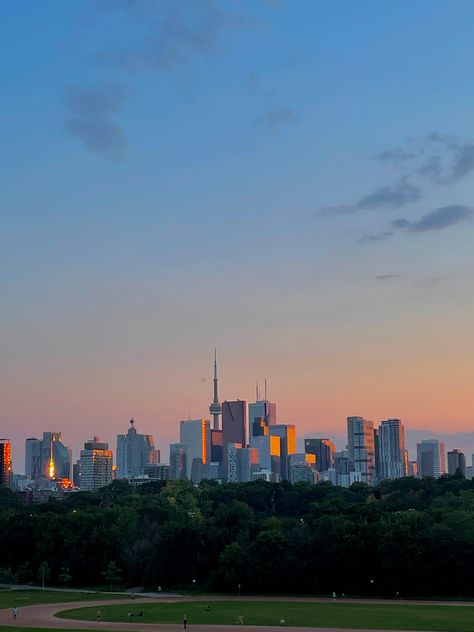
(178, 175)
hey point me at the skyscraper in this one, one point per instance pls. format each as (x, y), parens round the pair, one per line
(177, 461)
(55, 457)
(95, 465)
(456, 461)
(431, 458)
(215, 408)
(134, 451)
(360, 437)
(323, 450)
(392, 456)
(5, 463)
(234, 423)
(287, 434)
(195, 436)
(33, 458)
(262, 414)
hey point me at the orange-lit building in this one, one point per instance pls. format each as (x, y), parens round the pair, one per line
(5, 463)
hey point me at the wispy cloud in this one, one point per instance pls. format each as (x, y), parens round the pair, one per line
(175, 31)
(90, 119)
(367, 239)
(396, 157)
(276, 117)
(392, 196)
(439, 219)
(387, 277)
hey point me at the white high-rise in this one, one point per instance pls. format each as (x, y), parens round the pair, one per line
(360, 438)
(392, 457)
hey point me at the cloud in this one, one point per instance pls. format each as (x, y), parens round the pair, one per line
(387, 277)
(91, 112)
(396, 157)
(393, 196)
(367, 239)
(276, 117)
(441, 218)
(175, 31)
(339, 209)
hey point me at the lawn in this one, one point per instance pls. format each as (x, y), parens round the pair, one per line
(19, 598)
(400, 616)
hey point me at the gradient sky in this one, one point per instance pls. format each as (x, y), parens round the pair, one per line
(290, 181)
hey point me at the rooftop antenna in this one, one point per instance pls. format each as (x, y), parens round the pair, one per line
(189, 412)
(265, 389)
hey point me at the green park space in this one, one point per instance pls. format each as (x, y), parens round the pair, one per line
(400, 616)
(21, 598)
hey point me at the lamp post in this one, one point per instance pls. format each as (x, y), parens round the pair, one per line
(194, 585)
(238, 588)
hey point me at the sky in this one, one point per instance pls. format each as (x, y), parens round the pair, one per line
(288, 181)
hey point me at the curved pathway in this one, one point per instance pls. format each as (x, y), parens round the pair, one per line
(44, 615)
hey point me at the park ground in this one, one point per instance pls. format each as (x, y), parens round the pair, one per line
(203, 612)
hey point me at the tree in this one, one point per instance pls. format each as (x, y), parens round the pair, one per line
(44, 573)
(112, 574)
(6, 576)
(64, 576)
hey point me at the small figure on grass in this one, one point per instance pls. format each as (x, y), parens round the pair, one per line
(185, 622)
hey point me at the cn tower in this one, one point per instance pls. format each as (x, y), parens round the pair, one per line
(215, 408)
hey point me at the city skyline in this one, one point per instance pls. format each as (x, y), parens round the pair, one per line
(283, 181)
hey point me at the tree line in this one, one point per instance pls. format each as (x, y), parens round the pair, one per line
(409, 537)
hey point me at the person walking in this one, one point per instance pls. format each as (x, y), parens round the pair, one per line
(15, 612)
(185, 622)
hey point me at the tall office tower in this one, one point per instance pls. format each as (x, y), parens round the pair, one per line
(287, 434)
(269, 449)
(234, 426)
(232, 462)
(55, 457)
(134, 451)
(456, 461)
(392, 455)
(360, 435)
(216, 446)
(431, 458)
(242, 463)
(412, 468)
(195, 435)
(177, 461)
(323, 450)
(262, 414)
(33, 458)
(95, 465)
(5, 463)
(215, 408)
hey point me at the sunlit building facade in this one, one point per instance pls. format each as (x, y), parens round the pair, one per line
(5, 463)
(323, 450)
(195, 436)
(95, 465)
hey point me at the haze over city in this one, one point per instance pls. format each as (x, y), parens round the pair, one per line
(178, 176)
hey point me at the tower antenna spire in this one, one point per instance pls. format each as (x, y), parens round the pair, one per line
(215, 408)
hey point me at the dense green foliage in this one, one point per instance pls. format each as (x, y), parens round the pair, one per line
(411, 536)
(399, 616)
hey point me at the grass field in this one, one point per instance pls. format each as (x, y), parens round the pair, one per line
(337, 615)
(19, 598)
